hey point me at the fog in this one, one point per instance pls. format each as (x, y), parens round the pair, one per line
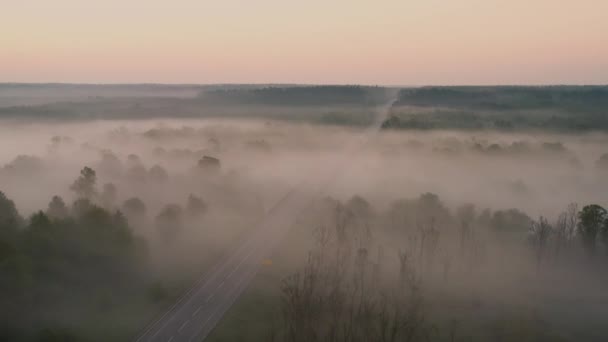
(206, 183)
(538, 173)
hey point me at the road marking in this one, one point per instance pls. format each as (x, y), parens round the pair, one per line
(209, 298)
(208, 318)
(236, 268)
(240, 263)
(265, 226)
(197, 310)
(202, 327)
(156, 333)
(206, 278)
(183, 326)
(171, 339)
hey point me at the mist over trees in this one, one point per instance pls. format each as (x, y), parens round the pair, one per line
(475, 214)
(502, 108)
(391, 280)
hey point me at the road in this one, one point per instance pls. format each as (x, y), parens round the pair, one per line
(194, 316)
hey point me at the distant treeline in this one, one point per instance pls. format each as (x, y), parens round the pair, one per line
(551, 108)
(594, 98)
(298, 96)
(547, 108)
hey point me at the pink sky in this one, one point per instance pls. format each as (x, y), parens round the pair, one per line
(271, 41)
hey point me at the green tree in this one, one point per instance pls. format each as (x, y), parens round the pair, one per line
(57, 208)
(158, 174)
(80, 207)
(84, 185)
(196, 206)
(10, 219)
(109, 195)
(134, 208)
(511, 220)
(592, 218)
(169, 222)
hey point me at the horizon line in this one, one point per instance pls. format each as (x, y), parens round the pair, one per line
(308, 84)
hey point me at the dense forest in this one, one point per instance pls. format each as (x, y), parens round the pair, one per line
(548, 108)
(453, 220)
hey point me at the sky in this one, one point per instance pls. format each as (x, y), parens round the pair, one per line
(406, 42)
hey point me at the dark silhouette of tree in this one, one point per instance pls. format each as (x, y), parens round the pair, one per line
(602, 162)
(10, 219)
(137, 173)
(59, 261)
(565, 228)
(430, 207)
(109, 195)
(540, 232)
(84, 185)
(360, 207)
(592, 218)
(169, 222)
(133, 159)
(109, 165)
(210, 165)
(196, 206)
(465, 215)
(134, 207)
(25, 165)
(80, 207)
(510, 221)
(40, 220)
(158, 174)
(57, 208)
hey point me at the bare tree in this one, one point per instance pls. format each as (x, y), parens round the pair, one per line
(565, 228)
(540, 233)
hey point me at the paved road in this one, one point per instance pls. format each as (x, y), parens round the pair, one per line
(195, 315)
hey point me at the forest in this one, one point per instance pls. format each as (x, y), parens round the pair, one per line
(502, 108)
(361, 213)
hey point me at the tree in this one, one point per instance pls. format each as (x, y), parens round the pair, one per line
(25, 165)
(592, 218)
(57, 208)
(81, 206)
(137, 173)
(10, 219)
(109, 165)
(430, 208)
(602, 162)
(158, 174)
(169, 222)
(196, 206)
(512, 220)
(360, 207)
(134, 208)
(565, 227)
(84, 185)
(540, 232)
(604, 234)
(39, 220)
(465, 215)
(109, 194)
(210, 165)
